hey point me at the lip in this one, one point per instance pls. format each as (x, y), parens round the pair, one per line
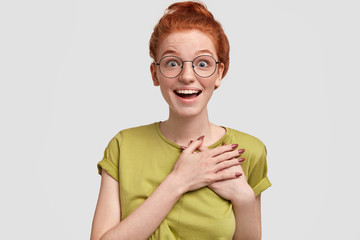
(187, 100)
(188, 88)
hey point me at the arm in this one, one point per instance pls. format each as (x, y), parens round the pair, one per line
(246, 206)
(107, 212)
(141, 223)
(248, 218)
(192, 171)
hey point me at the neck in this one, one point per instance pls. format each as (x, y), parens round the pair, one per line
(181, 130)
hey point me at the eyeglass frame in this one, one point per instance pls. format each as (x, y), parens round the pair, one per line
(192, 65)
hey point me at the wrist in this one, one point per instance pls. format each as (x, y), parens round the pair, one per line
(244, 197)
(176, 184)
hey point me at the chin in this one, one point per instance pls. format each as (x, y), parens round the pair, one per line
(187, 112)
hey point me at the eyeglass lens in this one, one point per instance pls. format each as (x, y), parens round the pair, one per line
(203, 66)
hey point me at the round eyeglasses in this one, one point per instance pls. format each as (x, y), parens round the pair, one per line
(171, 66)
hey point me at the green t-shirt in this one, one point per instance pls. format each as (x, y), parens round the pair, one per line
(140, 158)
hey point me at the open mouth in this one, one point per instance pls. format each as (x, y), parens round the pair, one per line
(188, 94)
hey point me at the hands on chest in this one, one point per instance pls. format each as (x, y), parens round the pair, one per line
(218, 168)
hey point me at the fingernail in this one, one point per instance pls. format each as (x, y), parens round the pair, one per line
(241, 159)
(201, 138)
(241, 151)
(223, 143)
(182, 148)
(238, 174)
(233, 146)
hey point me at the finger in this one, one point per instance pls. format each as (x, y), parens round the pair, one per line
(195, 144)
(221, 149)
(223, 175)
(228, 155)
(228, 164)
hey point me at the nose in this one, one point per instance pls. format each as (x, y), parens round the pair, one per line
(187, 74)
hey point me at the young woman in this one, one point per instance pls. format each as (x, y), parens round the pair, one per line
(183, 178)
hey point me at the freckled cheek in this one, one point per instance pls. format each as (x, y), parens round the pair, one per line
(167, 94)
(209, 87)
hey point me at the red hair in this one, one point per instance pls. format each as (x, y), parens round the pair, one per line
(187, 16)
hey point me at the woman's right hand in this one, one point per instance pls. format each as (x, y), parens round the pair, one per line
(195, 170)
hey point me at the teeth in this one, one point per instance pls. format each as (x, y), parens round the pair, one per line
(187, 91)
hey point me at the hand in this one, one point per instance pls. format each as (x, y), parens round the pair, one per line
(233, 189)
(195, 170)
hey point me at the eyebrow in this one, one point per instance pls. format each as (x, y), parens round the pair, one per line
(169, 52)
(196, 53)
(204, 51)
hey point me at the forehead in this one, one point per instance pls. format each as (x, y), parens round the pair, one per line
(186, 44)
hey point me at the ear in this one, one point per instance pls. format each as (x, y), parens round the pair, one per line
(219, 77)
(154, 74)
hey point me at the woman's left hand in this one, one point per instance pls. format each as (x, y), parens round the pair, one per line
(233, 189)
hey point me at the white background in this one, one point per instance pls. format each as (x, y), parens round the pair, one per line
(74, 73)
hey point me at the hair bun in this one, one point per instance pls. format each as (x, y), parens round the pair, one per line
(189, 7)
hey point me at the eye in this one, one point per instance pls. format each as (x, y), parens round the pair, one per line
(202, 64)
(172, 63)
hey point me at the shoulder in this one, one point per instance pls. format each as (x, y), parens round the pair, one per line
(255, 149)
(134, 133)
(255, 166)
(246, 141)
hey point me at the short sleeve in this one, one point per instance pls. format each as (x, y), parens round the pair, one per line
(110, 161)
(258, 179)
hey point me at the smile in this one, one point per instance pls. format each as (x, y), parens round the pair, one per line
(187, 93)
